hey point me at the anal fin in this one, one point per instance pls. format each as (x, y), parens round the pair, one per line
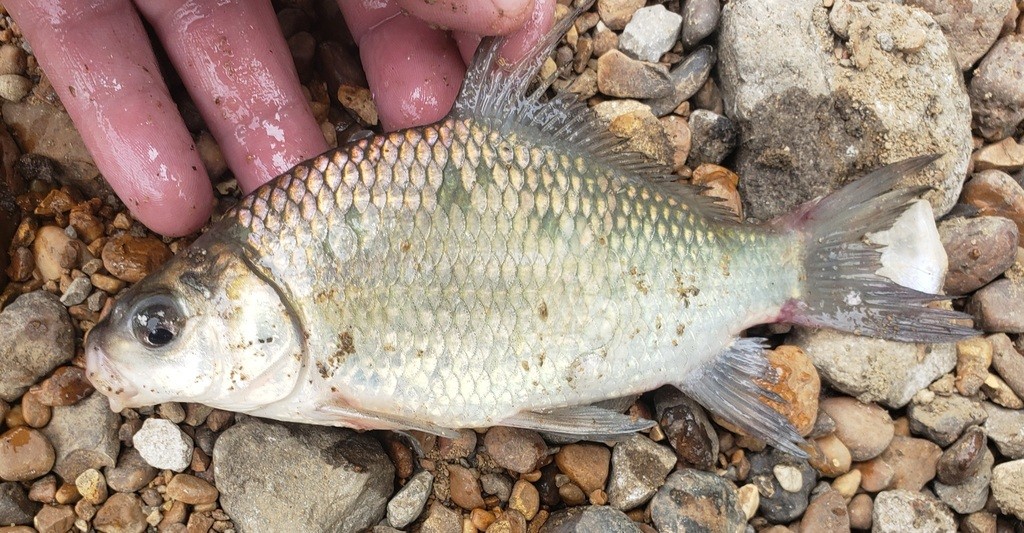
(584, 421)
(727, 386)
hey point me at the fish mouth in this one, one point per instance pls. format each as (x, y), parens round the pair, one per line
(107, 379)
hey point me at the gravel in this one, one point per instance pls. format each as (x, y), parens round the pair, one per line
(163, 445)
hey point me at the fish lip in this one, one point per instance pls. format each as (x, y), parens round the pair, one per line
(107, 379)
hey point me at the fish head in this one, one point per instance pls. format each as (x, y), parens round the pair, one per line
(206, 327)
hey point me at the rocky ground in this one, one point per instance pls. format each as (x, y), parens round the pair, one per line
(794, 96)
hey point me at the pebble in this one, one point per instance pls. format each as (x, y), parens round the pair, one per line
(55, 252)
(826, 512)
(163, 445)
(848, 483)
(1008, 487)
(498, 485)
(859, 510)
(132, 258)
(54, 519)
(1008, 362)
(67, 385)
(84, 436)
(835, 458)
(694, 500)
(997, 98)
(876, 474)
(12, 59)
(749, 499)
(642, 133)
(1003, 427)
(587, 519)
(408, 502)
(511, 521)
(999, 392)
(191, 490)
(77, 291)
(962, 459)
(981, 522)
(38, 337)
(944, 418)
(15, 507)
(441, 519)
(973, 357)
(25, 454)
(979, 250)
(464, 486)
(586, 465)
(105, 283)
(525, 499)
(913, 461)
(1005, 155)
(122, 513)
(519, 450)
(650, 33)
(92, 486)
(996, 193)
(720, 183)
(714, 137)
(784, 482)
(44, 489)
(617, 13)
(131, 473)
(687, 429)
(14, 87)
(971, 495)
(797, 384)
(686, 78)
(903, 511)
(622, 76)
(999, 306)
(865, 429)
(337, 479)
(639, 467)
(33, 411)
(460, 448)
(700, 19)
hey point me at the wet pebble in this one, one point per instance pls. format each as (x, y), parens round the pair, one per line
(1008, 362)
(714, 137)
(1008, 487)
(122, 513)
(1004, 429)
(617, 13)
(971, 495)
(943, 418)
(687, 429)
(904, 511)
(650, 33)
(132, 258)
(784, 483)
(131, 473)
(163, 445)
(979, 250)
(33, 411)
(698, 501)
(25, 454)
(622, 76)
(54, 519)
(38, 337)
(859, 510)
(639, 467)
(826, 512)
(519, 450)
(997, 98)
(962, 459)
(407, 504)
(700, 19)
(66, 386)
(15, 507)
(586, 465)
(864, 429)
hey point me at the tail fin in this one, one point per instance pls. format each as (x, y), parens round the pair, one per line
(842, 289)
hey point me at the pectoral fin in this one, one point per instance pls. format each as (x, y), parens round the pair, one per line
(584, 421)
(728, 387)
(349, 417)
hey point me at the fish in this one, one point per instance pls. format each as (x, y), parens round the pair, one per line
(508, 265)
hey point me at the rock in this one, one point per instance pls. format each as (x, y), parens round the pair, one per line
(866, 430)
(720, 182)
(973, 357)
(687, 429)
(999, 392)
(441, 519)
(834, 459)
(1005, 155)
(997, 98)
(77, 291)
(336, 480)
(970, 496)
(589, 518)
(693, 500)
(586, 465)
(54, 519)
(1008, 487)
(999, 306)
(67, 386)
(525, 499)
(749, 499)
(677, 131)
(639, 467)
(913, 462)
(961, 460)
(14, 87)
(511, 521)
(37, 338)
(798, 385)
(859, 511)
(784, 483)
(622, 76)
(122, 513)
(826, 512)
(12, 61)
(714, 137)
(84, 436)
(642, 133)
(1008, 362)
(92, 486)
(465, 487)
(460, 448)
(687, 78)
(133, 258)
(191, 490)
(944, 418)
(979, 250)
(163, 445)
(903, 511)
(15, 507)
(982, 522)
(874, 370)
(408, 502)
(617, 13)
(995, 193)
(700, 19)
(812, 115)
(650, 33)
(1005, 427)
(25, 454)
(970, 27)
(848, 483)
(131, 473)
(519, 450)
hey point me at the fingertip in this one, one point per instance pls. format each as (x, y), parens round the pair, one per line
(173, 218)
(536, 26)
(494, 17)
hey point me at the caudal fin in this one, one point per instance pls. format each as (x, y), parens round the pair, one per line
(841, 289)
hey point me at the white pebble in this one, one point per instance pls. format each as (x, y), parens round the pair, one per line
(749, 498)
(163, 445)
(650, 33)
(790, 478)
(14, 87)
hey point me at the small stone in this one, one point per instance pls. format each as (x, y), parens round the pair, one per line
(700, 19)
(38, 337)
(714, 137)
(92, 486)
(586, 465)
(617, 13)
(15, 507)
(834, 459)
(525, 499)
(639, 467)
(864, 429)
(131, 473)
(687, 429)
(67, 386)
(76, 292)
(211, 155)
(163, 445)
(848, 483)
(172, 411)
(780, 504)
(122, 513)
(481, 519)
(876, 474)
(970, 496)
(962, 459)
(622, 76)
(12, 59)
(96, 301)
(720, 183)
(997, 99)
(973, 357)
(105, 283)
(827, 512)
(25, 454)
(650, 33)
(979, 250)
(1004, 428)
(359, 101)
(643, 134)
(999, 306)
(84, 436)
(571, 494)
(859, 511)
(519, 450)
(498, 485)
(408, 502)
(33, 411)
(913, 461)
(14, 87)
(688, 77)
(441, 519)
(1008, 362)
(904, 511)
(589, 518)
(943, 419)
(797, 383)
(54, 519)
(605, 40)
(465, 487)
(55, 252)
(191, 490)
(677, 131)
(44, 489)
(749, 499)
(999, 392)
(133, 258)
(693, 500)
(1005, 155)
(789, 478)
(1008, 487)
(511, 521)
(995, 193)
(981, 522)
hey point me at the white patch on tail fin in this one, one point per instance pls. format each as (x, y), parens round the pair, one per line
(839, 261)
(912, 253)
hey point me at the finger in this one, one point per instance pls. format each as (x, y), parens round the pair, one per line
(414, 71)
(518, 43)
(489, 17)
(98, 58)
(237, 67)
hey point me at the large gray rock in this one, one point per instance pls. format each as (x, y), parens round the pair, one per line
(1008, 487)
(639, 467)
(810, 121)
(904, 511)
(84, 436)
(589, 518)
(15, 507)
(37, 337)
(290, 477)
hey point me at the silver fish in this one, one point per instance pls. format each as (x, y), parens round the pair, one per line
(505, 266)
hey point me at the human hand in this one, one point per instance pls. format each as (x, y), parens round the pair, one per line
(238, 69)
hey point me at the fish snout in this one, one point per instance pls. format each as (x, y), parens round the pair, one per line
(106, 378)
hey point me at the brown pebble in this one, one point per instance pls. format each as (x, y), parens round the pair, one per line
(876, 474)
(525, 499)
(33, 411)
(834, 459)
(66, 386)
(481, 518)
(963, 458)
(865, 429)
(519, 450)
(979, 250)
(586, 464)
(191, 490)
(219, 419)
(121, 513)
(22, 264)
(85, 510)
(859, 510)
(54, 519)
(56, 201)
(913, 462)
(996, 193)
(617, 13)
(25, 454)
(465, 487)
(133, 258)
(92, 486)
(175, 515)
(827, 512)
(973, 357)
(572, 494)
(199, 523)
(44, 489)
(622, 76)
(460, 448)
(67, 493)
(88, 227)
(107, 284)
(511, 521)
(797, 381)
(55, 252)
(400, 454)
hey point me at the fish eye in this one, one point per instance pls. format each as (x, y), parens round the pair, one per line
(156, 322)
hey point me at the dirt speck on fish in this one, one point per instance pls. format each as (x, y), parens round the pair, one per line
(502, 267)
